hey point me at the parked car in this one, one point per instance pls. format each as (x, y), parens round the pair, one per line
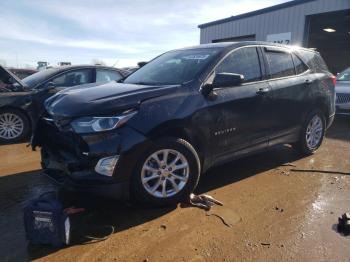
(21, 101)
(154, 133)
(22, 72)
(130, 69)
(342, 90)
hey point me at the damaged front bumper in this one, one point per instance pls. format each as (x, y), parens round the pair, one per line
(88, 161)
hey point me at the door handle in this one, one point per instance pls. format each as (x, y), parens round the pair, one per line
(262, 91)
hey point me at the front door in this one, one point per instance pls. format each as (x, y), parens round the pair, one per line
(239, 112)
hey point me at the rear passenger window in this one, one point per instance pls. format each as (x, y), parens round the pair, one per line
(300, 67)
(281, 64)
(73, 78)
(104, 75)
(244, 61)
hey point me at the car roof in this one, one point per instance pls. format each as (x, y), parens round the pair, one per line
(59, 69)
(231, 45)
(22, 69)
(69, 67)
(37, 78)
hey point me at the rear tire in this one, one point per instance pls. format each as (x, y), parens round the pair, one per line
(312, 133)
(14, 125)
(166, 173)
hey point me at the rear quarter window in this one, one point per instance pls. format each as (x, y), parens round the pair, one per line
(313, 60)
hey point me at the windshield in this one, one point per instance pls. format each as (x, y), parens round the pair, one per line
(35, 79)
(344, 76)
(174, 67)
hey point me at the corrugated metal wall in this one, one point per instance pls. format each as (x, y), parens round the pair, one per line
(290, 19)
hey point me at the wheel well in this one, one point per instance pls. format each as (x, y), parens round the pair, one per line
(324, 109)
(179, 132)
(317, 105)
(20, 110)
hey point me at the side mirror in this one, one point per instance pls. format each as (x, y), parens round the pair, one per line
(49, 85)
(223, 80)
(227, 79)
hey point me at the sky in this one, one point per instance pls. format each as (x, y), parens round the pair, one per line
(118, 32)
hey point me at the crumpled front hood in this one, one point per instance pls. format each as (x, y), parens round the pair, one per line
(110, 98)
(343, 87)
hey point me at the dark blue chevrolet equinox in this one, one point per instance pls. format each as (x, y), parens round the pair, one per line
(152, 134)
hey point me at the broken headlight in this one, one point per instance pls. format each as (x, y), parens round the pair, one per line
(99, 124)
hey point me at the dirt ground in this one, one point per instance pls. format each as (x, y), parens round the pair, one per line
(280, 207)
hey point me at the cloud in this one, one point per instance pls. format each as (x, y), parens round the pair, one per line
(21, 29)
(127, 30)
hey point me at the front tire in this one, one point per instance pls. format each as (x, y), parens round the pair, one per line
(14, 125)
(312, 133)
(166, 173)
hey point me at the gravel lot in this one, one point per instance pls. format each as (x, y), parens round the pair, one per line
(280, 206)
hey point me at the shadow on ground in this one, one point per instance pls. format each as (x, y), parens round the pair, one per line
(340, 129)
(17, 190)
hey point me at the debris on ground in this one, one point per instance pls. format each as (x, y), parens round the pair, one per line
(344, 224)
(279, 209)
(288, 164)
(73, 210)
(204, 201)
(220, 217)
(163, 226)
(285, 173)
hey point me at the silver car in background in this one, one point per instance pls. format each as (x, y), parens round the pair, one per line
(342, 90)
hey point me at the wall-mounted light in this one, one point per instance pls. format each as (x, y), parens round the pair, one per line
(329, 30)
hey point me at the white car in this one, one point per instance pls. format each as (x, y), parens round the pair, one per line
(342, 90)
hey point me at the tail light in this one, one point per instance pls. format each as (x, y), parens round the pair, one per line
(334, 80)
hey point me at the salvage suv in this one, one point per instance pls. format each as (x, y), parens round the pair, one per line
(154, 133)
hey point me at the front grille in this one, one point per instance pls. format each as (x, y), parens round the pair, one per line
(55, 138)
(343, 98)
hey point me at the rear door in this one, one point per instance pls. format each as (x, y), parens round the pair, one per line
(289, 85)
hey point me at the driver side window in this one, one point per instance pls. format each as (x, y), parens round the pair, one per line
(244, 61)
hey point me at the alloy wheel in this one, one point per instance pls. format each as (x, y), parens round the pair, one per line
(11, 126)
(314, 132)
(165, 173)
